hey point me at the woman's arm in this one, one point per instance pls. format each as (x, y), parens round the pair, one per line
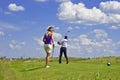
(44, 38)
(52, 38)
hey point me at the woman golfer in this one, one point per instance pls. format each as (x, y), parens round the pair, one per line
(48, 40)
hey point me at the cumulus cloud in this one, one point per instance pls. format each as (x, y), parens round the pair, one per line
(69, 28)
(16, 45)
(95, 43)
(78, 13)
(84, 40)
(57, 35)
(108, 13)
(110, 7)
(77, 27)
(100, 33)
(114, 27)
(14, 7)
(85, 44)
(57, 28)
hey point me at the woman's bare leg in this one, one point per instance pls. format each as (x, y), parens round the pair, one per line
(47, 59)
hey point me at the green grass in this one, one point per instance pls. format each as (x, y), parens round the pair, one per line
(77, 69)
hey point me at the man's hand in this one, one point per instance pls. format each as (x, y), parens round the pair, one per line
(58, 43)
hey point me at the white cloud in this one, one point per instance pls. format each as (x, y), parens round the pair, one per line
(77, 27)
(113, 19)
(57, 35)
(16, 45)
(80, 14)
(108, 41)
(110, 7)
(89, 49)
(41, 0)
(2, 33)
(98, 45)
(7, 13)
(57, 28)
(114, 27)
(85, 44)
(8, 26)
(70, 28)
(39, 41)
(62, 0)
(84, 40)
(100, 33)
(14, 7)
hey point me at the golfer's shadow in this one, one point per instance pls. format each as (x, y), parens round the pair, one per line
(31, 69)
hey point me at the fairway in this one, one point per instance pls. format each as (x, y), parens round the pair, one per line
(77, 69)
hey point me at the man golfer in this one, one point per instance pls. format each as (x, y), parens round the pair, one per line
(63, 49)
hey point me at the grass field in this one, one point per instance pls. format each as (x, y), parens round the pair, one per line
(77, 69)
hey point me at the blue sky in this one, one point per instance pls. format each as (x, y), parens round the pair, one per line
(94, 27)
